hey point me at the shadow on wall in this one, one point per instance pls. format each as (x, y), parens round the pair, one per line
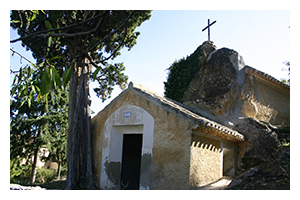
(206, 146)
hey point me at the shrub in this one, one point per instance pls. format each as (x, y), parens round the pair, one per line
(45, 175)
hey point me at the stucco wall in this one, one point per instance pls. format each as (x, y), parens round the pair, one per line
(275, 99)
(170, 152)
(265, 102)
(171, 142)
(205, 161)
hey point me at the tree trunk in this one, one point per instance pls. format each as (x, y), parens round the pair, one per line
(33, 172)
(35, 157)
(79, 151)
(58, 157)
(58, 170)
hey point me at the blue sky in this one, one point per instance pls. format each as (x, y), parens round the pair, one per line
(260, 37)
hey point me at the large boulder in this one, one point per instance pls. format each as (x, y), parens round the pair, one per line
(274, 175)
(215, 86)
(261, 145)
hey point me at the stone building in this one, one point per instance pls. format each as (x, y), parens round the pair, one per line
(143, 140)
(155, 143)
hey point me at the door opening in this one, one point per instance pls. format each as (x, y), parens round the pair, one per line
(228, 162)
(131, 161)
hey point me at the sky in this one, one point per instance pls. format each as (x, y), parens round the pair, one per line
(261, 37)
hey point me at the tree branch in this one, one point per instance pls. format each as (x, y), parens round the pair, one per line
(46, 33)
(115, 30)
(14, 51)
(125, 34)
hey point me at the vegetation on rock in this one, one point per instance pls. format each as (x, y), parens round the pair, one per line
(182, 72)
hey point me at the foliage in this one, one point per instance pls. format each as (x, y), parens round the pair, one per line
(22, 178)
(76, 46)
(54, 37)
(57, 129)
(28, 118)
(181, 73)
(42, 176)
(45, 175)
(15, 168)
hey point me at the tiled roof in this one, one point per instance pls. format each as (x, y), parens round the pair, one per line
(267, 78)
(205, 125)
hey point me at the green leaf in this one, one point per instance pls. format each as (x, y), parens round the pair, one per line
(33, 16)
(56, 57)
(22, 91)
(13, 90)
(39, 97)
(29, 71)
(96, 72)
(21, 72)
(14, 81)
(48, 25)
(30, 98)
(67, 76)
(24, 100)
(55, 78)
(49, 41)
(46, 103)
(33, 89)
(33, 65)
(45, 83)
(15, 21)
(52, 97)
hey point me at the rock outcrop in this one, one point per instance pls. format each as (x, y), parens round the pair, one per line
(215, 86)
(274, 175)
(225, 89)
(240, 97)
(261, 145)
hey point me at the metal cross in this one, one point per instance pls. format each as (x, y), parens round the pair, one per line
(208, 27)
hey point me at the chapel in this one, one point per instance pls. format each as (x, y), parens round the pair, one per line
(144, 140)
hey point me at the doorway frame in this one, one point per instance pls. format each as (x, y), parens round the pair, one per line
(128, 119)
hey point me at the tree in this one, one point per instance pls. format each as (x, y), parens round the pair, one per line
(76, 46)
(26, 124)
(57, 129)
(287, 68)
(34, 123)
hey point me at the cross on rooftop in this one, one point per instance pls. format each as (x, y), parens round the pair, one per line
(208, 27)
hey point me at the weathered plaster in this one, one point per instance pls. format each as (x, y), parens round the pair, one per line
(264, 102)
(128, 119)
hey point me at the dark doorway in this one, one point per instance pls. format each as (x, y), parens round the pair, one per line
(228, 162)
(131, 161)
